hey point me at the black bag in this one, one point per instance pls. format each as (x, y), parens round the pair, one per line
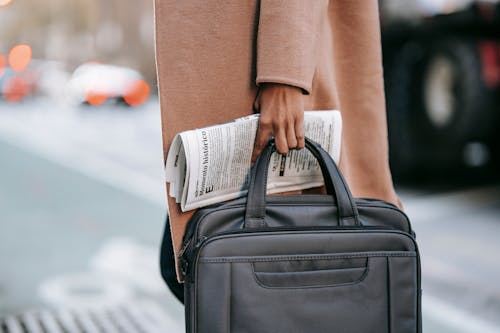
(301, 263)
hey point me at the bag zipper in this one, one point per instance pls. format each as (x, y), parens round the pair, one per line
(188, 252)
(191, 228)
(184, 259)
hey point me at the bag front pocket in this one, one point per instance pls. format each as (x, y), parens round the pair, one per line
(309, 273)
(348, 292)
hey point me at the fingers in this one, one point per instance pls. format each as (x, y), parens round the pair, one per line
(291, 135)
(281, 111)
(286, 137)
(264, 131)
(299, 131)
(280, 139)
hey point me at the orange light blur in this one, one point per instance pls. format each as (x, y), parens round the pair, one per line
(5, 3)
(15, 89)
(20, 57)
(95, 98)
(3, 64)
(136, 93)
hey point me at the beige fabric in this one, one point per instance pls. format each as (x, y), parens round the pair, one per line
(212, 54)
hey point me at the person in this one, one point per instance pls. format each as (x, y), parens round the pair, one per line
(220, 60)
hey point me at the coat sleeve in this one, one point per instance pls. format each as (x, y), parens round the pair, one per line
(357, 61)
(287, 33)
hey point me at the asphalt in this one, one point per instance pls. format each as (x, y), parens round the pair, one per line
(82, 212)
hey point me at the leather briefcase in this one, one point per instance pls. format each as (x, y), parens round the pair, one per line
(301, 263)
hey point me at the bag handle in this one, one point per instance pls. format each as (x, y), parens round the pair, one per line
(334, 181)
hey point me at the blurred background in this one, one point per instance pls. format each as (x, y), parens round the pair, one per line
(81, 193)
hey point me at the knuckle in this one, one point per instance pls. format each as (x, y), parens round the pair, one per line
(277, 122)
(259, 142)
(262, 143)
(265, 122)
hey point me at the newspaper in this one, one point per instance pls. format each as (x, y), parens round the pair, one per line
(212, 164)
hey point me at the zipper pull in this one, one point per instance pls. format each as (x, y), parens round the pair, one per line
(183, 260)
(201, 240)
(184, 248)
(183, 263)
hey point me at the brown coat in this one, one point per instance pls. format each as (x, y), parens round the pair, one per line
(212, 55)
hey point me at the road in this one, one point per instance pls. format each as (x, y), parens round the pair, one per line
(82, 210)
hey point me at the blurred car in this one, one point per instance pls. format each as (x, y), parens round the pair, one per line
(15, 86)
(442, 79)
(39, 78)
(95, 84)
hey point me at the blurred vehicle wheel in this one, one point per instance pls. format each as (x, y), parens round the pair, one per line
(457, 106)
(437, 104)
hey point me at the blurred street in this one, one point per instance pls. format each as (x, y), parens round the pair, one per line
(82, 191)
(82, 202)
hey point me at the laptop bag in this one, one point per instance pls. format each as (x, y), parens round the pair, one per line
(301, 263)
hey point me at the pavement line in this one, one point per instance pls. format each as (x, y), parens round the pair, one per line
(455, 318)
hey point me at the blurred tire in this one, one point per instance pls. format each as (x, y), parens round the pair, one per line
(437, 103)
(456, 104)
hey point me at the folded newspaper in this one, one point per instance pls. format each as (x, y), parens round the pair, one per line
(212, 164)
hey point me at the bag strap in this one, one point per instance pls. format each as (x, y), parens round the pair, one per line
(334, 182)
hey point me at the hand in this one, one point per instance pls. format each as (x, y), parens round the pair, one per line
(281, 109)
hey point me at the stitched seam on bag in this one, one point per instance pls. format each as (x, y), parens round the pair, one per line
(306, 257)
(389, 303)
(262, 211)
(228, 310)
(361, 279)
(266, 171)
